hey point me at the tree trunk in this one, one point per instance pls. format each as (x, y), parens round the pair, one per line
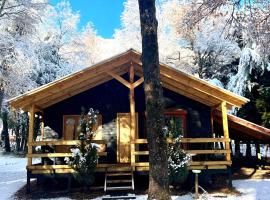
(5, 130)
(158, 162)
(18, 139)
(1, 98)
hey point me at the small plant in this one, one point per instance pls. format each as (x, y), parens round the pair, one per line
(84, 156)
(177, 163)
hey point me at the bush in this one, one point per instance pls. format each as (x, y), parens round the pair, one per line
(84, 159)
(177, 163)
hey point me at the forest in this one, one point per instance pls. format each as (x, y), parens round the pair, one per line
(223, 42)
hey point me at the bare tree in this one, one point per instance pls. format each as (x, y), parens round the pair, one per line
(158, 162)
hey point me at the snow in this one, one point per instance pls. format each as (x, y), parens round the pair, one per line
(216, 82)
(250, 60)
(12, 175)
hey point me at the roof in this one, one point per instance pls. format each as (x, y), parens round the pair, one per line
(242, 129)
(97, 74)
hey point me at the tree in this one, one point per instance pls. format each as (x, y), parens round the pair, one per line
(158, 160)
(5, 132)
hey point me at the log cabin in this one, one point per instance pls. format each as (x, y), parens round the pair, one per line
(114, 87)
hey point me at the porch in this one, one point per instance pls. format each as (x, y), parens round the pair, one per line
(212, 160)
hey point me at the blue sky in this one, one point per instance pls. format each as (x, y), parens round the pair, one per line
(104, 14)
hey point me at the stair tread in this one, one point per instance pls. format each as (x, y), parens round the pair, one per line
(119, 174)
(119, 197)
(120, 181)
(119, 188)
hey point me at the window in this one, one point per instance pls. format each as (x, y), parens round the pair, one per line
(175, 121)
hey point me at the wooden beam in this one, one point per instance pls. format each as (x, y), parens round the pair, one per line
(138, 82)
(49, 155)
(54, 155)
(203, 140)
(189, 140)
(212, 122)
(201, 167)
(139, 153)
(52, 171)
(63, 142)
(38, 109)
(132, 114)
(225, 127)
(141, 141)
(31, 133)
(212, 151)
(210, 163)
(120, 79)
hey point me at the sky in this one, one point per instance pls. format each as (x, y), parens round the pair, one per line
(104, 14)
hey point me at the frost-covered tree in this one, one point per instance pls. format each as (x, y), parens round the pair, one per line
(213, 52)
(18, 19)
(171, 47)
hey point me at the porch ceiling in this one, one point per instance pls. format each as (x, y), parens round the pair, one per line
(90, 77)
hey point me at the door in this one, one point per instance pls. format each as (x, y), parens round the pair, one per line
(123, 137)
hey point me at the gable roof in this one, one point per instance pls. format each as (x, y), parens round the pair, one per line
(97, 74)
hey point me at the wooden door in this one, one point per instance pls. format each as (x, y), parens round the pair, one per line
(70, 124)
(124, 137)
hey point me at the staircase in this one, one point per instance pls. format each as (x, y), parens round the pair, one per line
(119, 178)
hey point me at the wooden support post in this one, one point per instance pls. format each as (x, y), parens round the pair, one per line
(196, 186)
(42, 128)
(132, 115)
(258, 154)
(225, 127)
(31, 133)
(236, 147)
(248, 150)
(212, 121)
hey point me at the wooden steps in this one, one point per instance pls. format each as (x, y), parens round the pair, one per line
(128, 196)
(119, 179)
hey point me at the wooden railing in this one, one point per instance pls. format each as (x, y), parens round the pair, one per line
(54, 168)
(201, 164)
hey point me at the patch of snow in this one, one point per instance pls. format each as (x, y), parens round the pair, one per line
(268, 67)
(216, 82)
(12, 175)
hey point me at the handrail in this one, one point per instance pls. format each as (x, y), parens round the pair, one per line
(54, 155)
(62, 142)
(215, 164)
(189, 140)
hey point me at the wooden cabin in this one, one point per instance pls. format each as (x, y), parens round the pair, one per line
(114, 87)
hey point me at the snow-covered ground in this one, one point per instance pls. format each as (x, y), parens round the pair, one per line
(13, 177)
